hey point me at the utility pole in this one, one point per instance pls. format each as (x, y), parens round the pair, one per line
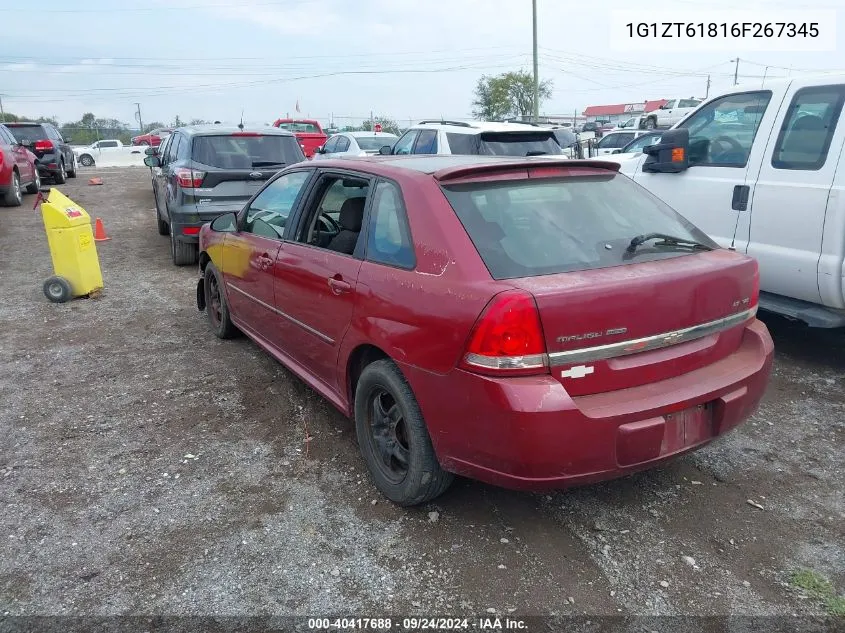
(736, 70)
(707, 94)
(138, 115)
(2, 112)
(536, 68)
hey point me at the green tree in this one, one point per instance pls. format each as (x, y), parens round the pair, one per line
(387, 125)
(507, 95)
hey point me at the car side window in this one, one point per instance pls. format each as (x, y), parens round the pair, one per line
(342, 144)
(722, 132)
(183, 151)
(172, 148)
(405, 142)
(108, 144)
(389, 237)
(335, 214)
(670, 104)
(331, 145)
(807, 128)
(268, 213)
(5, 137)
(688, 103)
(426, 142)
(463, 144)
(611, 141)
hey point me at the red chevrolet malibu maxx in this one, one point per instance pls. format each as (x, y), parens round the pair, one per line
(526, 322)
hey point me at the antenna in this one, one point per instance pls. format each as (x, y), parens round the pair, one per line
(241, 124)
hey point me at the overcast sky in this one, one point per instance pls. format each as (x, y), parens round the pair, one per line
(406, 59)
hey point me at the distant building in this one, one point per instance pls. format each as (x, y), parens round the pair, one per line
(619, 112)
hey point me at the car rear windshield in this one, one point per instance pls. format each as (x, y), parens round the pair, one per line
(523, 228)
(518, 143)
(374, 143)
(300, 127)
(246, 152)
(26, 133)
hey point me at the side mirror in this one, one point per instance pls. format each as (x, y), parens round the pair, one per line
(670, 155)
(152, 161)
(385, 150)
(226, 223)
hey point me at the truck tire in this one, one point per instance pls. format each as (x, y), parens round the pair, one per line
(13, 197)
(183, 253)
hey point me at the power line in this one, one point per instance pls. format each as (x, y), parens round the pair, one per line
(163, 7)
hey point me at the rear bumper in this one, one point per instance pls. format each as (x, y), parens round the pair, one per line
(192, 221)
(48, 164)
(528, 433)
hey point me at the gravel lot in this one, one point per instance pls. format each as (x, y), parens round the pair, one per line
(148, 468)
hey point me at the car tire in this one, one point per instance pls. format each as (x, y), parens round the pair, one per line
(71, 173)
(86, 160)
(216, 306)
(182, 253)
(57, 289)
(163, 227)
(390, 428)
(35, 185)
(13, 197)
(61, 176)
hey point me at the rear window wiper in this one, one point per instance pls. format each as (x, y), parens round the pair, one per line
(267, 163)
(666, 240)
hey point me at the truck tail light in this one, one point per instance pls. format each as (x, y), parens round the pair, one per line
(44, 146)
(507, 339)
(189, 177)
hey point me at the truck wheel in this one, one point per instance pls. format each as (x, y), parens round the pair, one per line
(72, 171)
(182, 253)
(61, 177)
(216, 306)
(13, 197)
(394, 439)
(86, 161)
(57, 289)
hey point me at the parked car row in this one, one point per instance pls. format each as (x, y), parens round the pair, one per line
(89, 155)
(18, 170)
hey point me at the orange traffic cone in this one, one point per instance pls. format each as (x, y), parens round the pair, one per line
(100, 231)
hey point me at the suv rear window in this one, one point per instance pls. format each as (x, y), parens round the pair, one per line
(518, 143)
(300, 127)
(246, 152)
(26, 133)
(523, 228)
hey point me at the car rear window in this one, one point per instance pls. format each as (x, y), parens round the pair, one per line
(523, 228)
(518, 143)
(300, 127)
(246, 152)
(374, 143)
(25, 133)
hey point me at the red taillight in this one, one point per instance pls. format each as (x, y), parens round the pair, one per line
(43, 146)
(189, 177)
(191, 230)
(507, 338)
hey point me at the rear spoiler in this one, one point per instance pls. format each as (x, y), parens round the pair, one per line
(462, 171)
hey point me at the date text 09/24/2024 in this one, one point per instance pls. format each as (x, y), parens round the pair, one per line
(418, 624)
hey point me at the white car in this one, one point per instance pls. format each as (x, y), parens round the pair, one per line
(634, 149)
(477, 138)
(615, 140)
(348, 144)
(634, 123)
(89, 155)
(670, 113)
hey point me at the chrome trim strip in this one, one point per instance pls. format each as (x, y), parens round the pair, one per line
(658, 341)
(308, 328)
(533, 361)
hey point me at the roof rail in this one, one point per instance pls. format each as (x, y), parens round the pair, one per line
(441, 121)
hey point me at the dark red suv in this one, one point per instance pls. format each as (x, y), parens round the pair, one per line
(532, 323)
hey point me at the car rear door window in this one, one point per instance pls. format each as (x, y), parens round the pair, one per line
(405, 142)
(331, 145)
(389, 237)
(426, 142)
(335, 214)
(463, 144)
(807, 129)
(108, 144)
(542, 226)
(342, 144)
(246, 151)
(173, 148)
(268, 213)
(183, 152)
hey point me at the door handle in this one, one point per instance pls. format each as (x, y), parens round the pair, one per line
(339, 286)
(739, 202)
(265, 261)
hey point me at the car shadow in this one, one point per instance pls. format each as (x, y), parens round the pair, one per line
(818, 347)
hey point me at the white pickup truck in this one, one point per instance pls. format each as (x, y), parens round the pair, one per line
(762, 170)
(89, 156)
(670, 113)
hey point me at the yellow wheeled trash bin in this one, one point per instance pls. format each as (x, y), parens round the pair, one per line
(71, 241)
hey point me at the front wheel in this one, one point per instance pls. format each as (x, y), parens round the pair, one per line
(86, 161)
(394, 439)
(216, 306)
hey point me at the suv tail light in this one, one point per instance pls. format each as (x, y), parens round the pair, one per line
(507, 339)
(189, 177)
(44, 146)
